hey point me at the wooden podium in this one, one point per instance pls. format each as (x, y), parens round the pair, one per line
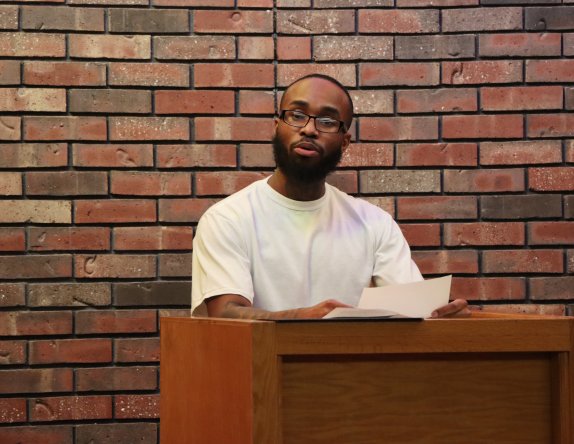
(484, 380)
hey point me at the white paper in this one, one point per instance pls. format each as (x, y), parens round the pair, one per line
(415, 299)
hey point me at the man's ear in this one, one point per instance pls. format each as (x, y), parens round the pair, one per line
(275, 124)
(346, 141)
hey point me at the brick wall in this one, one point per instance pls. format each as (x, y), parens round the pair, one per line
(121, 121)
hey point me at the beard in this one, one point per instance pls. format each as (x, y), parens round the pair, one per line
(300, 169)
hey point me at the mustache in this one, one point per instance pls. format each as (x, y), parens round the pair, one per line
(307, 142)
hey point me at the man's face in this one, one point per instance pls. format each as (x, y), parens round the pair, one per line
(307, 154)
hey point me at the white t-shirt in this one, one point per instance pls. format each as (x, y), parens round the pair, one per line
(282, 254)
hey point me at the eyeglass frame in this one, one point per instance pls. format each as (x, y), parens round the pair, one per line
(342, 124)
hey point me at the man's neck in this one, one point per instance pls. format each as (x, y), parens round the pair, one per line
(296, 190)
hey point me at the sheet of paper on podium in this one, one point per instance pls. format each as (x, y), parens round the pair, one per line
(412, 300)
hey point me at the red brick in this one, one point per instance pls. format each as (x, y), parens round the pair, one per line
(113, 155)
(398, 128)
(12, 409)
(570, 151)
(481, 71)
(136, 406)
(530, 309)
(10, 184)
(116, 321)
(550, 125)
(32, 100)
(33, 155)
(10, 128)
(137, 432)
(385, 203)
(35, 434)
(520, 152)
(116, 379)
(68, 238)
(436, 100)
(315, 22)
(114, 266)
(35, 266)
(100, 46)
(256, 102)
(8, 17)
(36, 211)
(114, 211)
(153, 183)
(194, 102)
(189, 156)
(256, 48)
(446, 261)
(293, 48)
(422, 235)
(35, 323)
(32, 45)
(288, 73)
(225, 183)
(519, 44)
(109, 101)
(569, 44)
(136, 350)
(225, 75)
(368, 154)
(12, 295)
(550, 233)
(570, 264)
(399, 73)
(148, 74)
(9, 72)
(521, 98)
(483, 127)
(437, 207)
(522, 261)
(66, 183)
(233, 128)
(149, 128)
(345, 181)
(12, 352)
(551, 179)
(69, 294)
(62, 408)
(550, 71)
(175, 265)
(183, 210)
(329, 48)
(484, 233)
(481, 19)
(483, 180)
(192, 3)
(232, 21)
(64, 73)
(436, 154)
(400, 181)
(194, 48)
(35, 380)
(153, 238)
(397, 21)
(257, 155)
(65, 128)
(488, 289)
(70, 351)
(51, 18)
(12, 239)
(552, 288)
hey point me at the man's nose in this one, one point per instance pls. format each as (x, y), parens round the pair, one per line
(310, 128)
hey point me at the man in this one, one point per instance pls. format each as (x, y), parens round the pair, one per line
(292, 246)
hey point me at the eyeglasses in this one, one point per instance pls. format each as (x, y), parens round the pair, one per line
(323, 124)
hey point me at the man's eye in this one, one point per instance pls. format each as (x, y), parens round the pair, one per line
(325, 121)
(298, 116)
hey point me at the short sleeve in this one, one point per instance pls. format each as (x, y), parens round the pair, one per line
(393, 261)
(221, 262)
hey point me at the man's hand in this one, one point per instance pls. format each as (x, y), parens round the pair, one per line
(321, 309)
(455, 309)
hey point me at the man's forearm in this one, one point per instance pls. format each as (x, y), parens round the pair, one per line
(234, 310)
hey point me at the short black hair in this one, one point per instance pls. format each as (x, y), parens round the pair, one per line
(329, 79)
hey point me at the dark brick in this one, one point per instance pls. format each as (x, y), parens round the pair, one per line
(116, 379)
(152, 293)
(518, 2)
(69, 295)
(137, 349)
(175, 265)
(109, 101)
(549, 18)
(34, 435)
(149, 21)
(552, 287)
(64, 18)
(569, 92)
(12, 352)
(481, 19)
(13, 323)
(35, 266)
(569, 207)
(534, 206)
(12, 295)
(43, 380)
(67, 183)
(434, 47)
(141, 433)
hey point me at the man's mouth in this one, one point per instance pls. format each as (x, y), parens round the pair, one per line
(306, 149)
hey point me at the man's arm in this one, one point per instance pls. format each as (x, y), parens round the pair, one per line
(455, 309)
(235, 306)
